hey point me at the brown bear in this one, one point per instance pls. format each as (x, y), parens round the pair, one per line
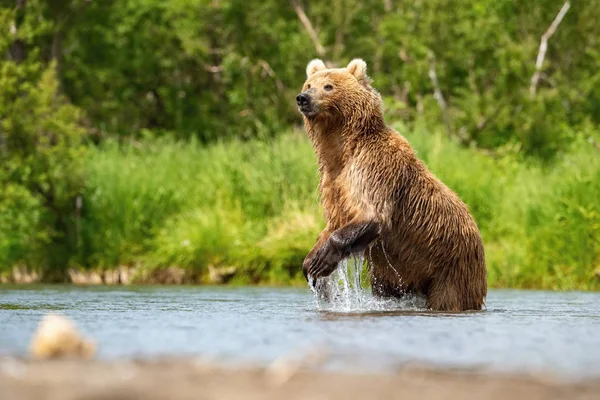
(382, 202)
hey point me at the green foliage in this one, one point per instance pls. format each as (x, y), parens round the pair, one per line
(155, 204)
(173, 203)
(196, 68)
(20, 218)
(41, 159)
(212, 69)
(566, 245)
(186, 101)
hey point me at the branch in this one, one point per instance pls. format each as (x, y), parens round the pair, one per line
(544, 46)
(437, 93)
(309, 28)
(481, 125)
(269, 71)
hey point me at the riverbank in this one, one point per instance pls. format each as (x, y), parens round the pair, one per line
(189, 379)
(127, 275)
(246, 212)
(124, 275)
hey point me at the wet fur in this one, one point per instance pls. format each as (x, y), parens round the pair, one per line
(428, 242)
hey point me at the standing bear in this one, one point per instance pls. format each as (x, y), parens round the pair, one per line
(381, 201)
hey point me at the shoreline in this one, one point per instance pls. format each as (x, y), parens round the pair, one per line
(261, 284)
(176, 276)
(190, 378)
(125, 275)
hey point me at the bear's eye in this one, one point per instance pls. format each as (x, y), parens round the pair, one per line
(328, 87)
(308, 86)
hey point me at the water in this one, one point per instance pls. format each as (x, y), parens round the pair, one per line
(347, 291)
(520, 330)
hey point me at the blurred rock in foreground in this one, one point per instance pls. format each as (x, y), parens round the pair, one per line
(57, 337)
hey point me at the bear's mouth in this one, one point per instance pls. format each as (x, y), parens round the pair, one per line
(308, 110)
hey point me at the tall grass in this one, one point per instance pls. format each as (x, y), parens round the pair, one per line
(253, 205)
(246, 204)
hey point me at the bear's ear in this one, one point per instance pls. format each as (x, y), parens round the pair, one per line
(314, 66)
(358, 68)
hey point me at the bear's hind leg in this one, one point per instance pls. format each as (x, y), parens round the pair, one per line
(444, 295)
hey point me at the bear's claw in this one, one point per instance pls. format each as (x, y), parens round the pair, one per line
(325, 261)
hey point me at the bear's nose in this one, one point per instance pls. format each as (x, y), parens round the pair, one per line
(302, 99)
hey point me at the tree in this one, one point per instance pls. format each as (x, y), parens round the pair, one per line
(41, 154)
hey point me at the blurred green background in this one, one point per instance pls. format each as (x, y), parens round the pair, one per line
(163, 133)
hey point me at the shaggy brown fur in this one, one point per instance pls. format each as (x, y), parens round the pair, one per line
(381, 201)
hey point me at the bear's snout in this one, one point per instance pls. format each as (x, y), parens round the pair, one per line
(306, 104)
(303, 100)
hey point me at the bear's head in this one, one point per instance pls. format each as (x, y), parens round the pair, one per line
(340, 93)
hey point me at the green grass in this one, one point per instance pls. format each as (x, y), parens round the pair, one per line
(253, 205)
(246, 204)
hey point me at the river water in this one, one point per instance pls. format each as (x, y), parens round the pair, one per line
(548, 332)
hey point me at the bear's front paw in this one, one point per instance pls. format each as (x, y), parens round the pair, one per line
(324, 261)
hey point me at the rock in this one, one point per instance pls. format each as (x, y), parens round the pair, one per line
(111, 277)
(125, 274)
(118, 276)
(82, 277)
(23, 275)
(57, 337)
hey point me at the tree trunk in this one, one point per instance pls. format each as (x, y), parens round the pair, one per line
(17, 48)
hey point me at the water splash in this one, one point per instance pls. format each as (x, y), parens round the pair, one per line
(347, 290)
